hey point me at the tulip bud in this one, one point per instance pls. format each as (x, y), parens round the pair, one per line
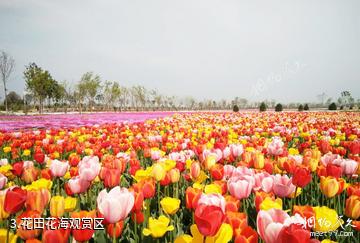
(210, 161)
(195, 170)
(174, 175)
(57, 206)
(259, 160)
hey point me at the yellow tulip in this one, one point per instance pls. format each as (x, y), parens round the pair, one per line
(212, 188)
(3, 235)
(269, 203)
(223, 235)
(326, 219)
(39, 184)
(57, 206)
(184, 239)
(143, 174)
(170, 205)
(329, 186)
(7, 149)
(158, 227)
(70, 204)
(3, 213)
(210, 161)
(26, 152)
(259, 161)
(293, 151)
(158, 172)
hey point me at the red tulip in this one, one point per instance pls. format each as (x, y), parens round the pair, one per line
(294, 233)
(18, 168)
(208, 219)
(333, 170)
(39, 157)
(115, 230)
(246, 235)
(14, 200)
(192, 196)
(60, 235)
(83, 234)
(301, 177)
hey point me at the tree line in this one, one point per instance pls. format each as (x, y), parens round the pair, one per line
(90, 93)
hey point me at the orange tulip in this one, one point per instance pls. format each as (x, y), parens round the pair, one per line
(27, 230)
(37, 199)
(352, 208)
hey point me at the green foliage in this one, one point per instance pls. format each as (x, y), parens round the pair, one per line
(262, 106)
(306, 107)
(88, 87)
(40, 83)
(332, 107)
(278, 107)
(301, 107)
(235, 108)
(14, 101)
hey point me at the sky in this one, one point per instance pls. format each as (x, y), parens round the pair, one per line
(289, 51)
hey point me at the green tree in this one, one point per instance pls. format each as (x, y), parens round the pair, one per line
(301, 107)
(40, 83)
(13, 100)
(306, 107)
(278, 107)
(235, 108)
(332, 106)
(88, 88)
(262, 106)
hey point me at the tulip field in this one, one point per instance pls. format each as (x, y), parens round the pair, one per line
(212, 177)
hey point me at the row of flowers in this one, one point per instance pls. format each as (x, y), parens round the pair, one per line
(201, 177)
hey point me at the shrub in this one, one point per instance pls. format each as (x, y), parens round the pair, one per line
(332, 107)
(300, 108)
(306, 107)
(262, 106)
(235, 108)
(278, 107)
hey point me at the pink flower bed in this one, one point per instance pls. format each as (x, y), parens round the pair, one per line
(9, 123)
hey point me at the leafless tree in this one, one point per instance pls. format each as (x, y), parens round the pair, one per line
(7, 65)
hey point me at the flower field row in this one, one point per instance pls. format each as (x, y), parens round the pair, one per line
(200, 177)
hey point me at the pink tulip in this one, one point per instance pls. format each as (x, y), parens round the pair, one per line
(276, 146)
(58, 168)
(228, 171)
(270, 223)
(240, 187)
(155, 154)
(3, 181)
(89, 168)
(329, 158)
(283, 186)
(213, 199)
(349, 167)
(78, 185)
(263, 181)
(236, 150)
(242, 171)
(226, 152)
(116, 204)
